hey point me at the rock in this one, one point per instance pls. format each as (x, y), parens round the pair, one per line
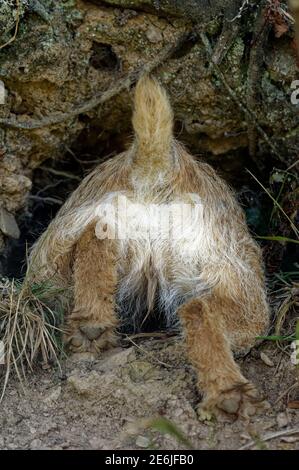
(266, 360)
(96, 443)
(8, 224)
(65, 444)
(282, 420)
(84, 385)
(117, 357)
(154, 35)
(178, 412)
(289, 439)
(15, 184)
(35, 444)
(12, 446)
(53, 395)
(143, 442)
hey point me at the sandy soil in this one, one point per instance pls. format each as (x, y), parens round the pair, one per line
(109, 403)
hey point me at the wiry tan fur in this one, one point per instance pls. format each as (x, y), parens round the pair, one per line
(210, 279)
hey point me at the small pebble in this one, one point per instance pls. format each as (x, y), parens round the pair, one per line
(282, 420)
(289, 439)
(53, 395)
(142, 441)
(154, 35)
(266, 359)
(35, 444)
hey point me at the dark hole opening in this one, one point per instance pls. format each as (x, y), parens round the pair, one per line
(103, 57)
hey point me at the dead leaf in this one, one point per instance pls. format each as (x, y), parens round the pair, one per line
(294, 405)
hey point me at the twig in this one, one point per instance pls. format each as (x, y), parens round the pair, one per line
(294, 228)
(154, 334)
(273, 435)
(241, 10)
(293, 165)
(16, 26)
(148, 354)
(248, 112)
(45, 189)
(121, 85)
(60, 173)
(49, 200)
(282, 395)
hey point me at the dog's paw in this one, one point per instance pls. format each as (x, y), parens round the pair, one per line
(240, 401)
(89, 337)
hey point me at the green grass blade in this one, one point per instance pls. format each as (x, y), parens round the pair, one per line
(165, 426)
(277, 238)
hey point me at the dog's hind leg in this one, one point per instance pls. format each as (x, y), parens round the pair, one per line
(91, 325)
(212, 327)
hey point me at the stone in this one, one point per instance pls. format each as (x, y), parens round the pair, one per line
(282, 420)
(289, 439)
(36, 444)
(266, 360)
(16, 184)
(154, 35)
(143, 442)
(53, 395)
(115, 358)
(84, 385)
(8, 224)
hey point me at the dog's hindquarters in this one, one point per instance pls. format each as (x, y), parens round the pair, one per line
(213, 273)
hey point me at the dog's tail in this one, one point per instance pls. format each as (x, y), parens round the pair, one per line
(153, 124)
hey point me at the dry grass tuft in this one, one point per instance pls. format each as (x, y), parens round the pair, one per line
(29, 328)
(287, 303)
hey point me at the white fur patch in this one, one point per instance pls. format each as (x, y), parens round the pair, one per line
(170, 249)
(163, 246)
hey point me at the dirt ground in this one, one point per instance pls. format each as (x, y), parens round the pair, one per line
(110, 403)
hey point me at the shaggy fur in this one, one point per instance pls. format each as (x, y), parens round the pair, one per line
(208, 277)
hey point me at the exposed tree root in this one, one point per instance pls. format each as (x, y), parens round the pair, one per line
(18, 5)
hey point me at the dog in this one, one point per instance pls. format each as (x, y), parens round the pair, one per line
(111, 250)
